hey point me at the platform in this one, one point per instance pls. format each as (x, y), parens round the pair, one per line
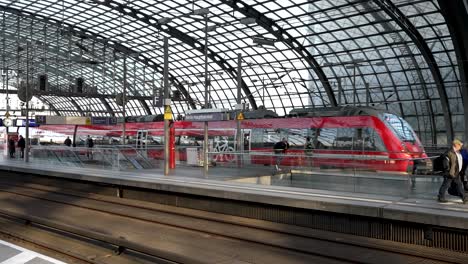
(415, 205)
(13, 254)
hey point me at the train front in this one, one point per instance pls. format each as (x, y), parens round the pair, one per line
(409, 145)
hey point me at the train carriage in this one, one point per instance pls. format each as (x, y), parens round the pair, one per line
(344, 137)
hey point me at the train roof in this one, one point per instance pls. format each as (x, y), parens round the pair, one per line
(337, 111)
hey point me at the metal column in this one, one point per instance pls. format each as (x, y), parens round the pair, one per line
(207, 98)
(26, 154)
(124, 98)
(166, 105)
(239, 110)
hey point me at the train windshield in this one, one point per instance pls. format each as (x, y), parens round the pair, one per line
(400, 126)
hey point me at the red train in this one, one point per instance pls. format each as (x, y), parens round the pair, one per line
(346, 137)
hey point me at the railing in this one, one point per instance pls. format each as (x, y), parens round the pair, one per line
(116, 158)
(378, 173)
(370, 173)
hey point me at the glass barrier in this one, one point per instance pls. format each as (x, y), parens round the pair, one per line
(379, 173)
(115, 157)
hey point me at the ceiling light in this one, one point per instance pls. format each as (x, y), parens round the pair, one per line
(164, 20)
(263, 41)
(248, 20)
(201, 11)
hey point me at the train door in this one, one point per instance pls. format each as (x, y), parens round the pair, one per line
(246, 139)
(141, 142)
(245, 145)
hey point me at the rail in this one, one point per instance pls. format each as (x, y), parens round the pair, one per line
(180, 234)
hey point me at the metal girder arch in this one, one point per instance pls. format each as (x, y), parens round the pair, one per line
(406, 25)
(107, 106)
(64, 74)
(388, 27)
(82, 33)
(52, 107)
(143, 17)
(145, 106)
(105, 103)
(77, 106)
(457, 19)
(178, 86)
(283, 36)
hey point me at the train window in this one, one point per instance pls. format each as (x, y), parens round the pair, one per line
(326, 137)
(358, 139)
(266, 138)
(400, 127)
(256, 139)
(345, 139)
(372, 140)
(296, 137)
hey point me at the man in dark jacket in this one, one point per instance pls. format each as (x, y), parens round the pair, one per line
(11, 147)
(455, 161)
(463, 176)
(280, 148)
(90, 145)
(67, 142)
(21, 145)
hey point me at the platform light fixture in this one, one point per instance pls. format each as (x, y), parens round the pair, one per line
(164, 20)
(201, 12)
(353, 64)
(248, 21)
(261, 41)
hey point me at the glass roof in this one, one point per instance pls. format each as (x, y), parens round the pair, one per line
(295, 54)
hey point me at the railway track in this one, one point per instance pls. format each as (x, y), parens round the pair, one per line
(102, 229)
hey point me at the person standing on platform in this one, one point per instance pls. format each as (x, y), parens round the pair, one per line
(90, 145)
(280, 149)
(21, 145)
(67, 142)
(463, 177)
(308, 149)
(11, 148)
(455, 163)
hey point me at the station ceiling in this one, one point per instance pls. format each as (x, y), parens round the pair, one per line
(402, 55)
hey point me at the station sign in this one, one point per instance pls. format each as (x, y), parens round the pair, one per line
(22, 123)
(167, 113)
(63, 120)
(201, 117)
(103, 120)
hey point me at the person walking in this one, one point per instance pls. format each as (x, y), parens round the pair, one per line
(280, 149)
(67, 142)
(452, 173)
(21, 145)
(463, 176)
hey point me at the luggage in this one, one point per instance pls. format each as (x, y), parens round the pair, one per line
(441, 164)
(453, 190)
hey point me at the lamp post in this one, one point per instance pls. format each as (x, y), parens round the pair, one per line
(166, 105)
(354, 66)
(26, 154)
(4, 77)
(124, 98)
(205, 13)
(239, 108)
